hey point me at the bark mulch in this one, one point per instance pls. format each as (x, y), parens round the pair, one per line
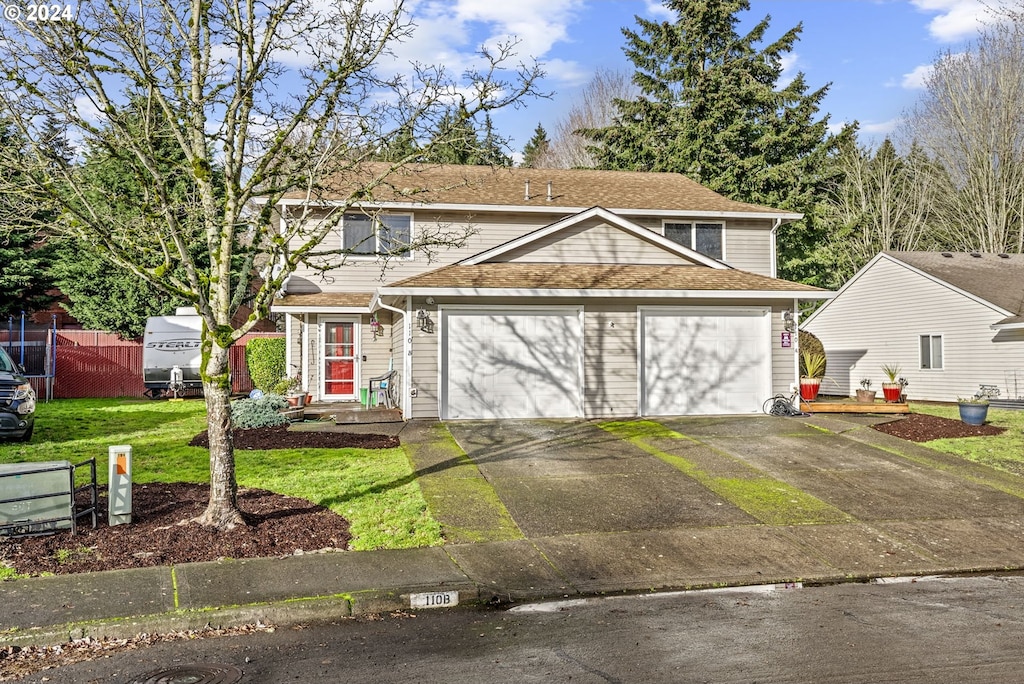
(921, 427)
(163, 531)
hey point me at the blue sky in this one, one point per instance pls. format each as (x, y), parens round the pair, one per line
(873, 52)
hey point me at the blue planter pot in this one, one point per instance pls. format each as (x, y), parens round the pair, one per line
(973, 414)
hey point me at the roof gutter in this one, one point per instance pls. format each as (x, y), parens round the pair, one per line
(812, 294)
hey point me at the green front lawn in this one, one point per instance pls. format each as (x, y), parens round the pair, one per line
(1005, 451)
(373, 488)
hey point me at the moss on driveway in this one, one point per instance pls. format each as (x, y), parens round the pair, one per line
(458, 495)
(769, 500)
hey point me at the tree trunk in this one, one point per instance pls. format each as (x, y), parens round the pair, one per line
(222, 512)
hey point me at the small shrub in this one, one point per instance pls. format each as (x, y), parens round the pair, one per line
(247, 414)
(265, 358)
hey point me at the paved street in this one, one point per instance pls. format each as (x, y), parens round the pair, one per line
(953, 630)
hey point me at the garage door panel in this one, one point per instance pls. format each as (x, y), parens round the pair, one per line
(515, 365)
(705, 363)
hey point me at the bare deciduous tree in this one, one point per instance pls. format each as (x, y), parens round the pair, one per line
(595, 108)
(970, 123)
(881, 202)
(264, 99)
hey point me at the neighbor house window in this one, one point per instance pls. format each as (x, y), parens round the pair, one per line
(380, 234)
(705, 238)
(931, 352)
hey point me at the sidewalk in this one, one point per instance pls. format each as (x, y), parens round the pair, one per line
(903, 532)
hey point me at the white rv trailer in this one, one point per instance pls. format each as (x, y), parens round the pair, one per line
(171, 353)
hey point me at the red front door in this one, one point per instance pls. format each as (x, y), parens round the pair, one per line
(341, 360)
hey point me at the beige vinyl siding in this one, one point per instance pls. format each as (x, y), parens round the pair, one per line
(879, 318)
(362, 274)
(748, 245)
(785, 372)
(610, 360)
(376, 352)
(747, 242)
(424, 363)
(592, 243)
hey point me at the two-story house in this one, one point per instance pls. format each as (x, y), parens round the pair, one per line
(579, 294)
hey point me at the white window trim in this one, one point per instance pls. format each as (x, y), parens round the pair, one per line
(942, 350)
(693, 223)
(376, 236)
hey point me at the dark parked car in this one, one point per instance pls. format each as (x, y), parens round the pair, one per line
(17, 401)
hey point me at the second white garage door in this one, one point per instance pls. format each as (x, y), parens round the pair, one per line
(511, 363)
(704, 362)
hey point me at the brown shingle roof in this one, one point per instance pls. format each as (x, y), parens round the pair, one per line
(521, 276)
(998, 280)
(570, 188)
(338, 299)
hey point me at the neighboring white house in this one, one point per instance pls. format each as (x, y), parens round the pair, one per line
(580, 294)
(952, 321)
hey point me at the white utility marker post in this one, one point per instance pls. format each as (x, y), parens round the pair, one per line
(119, 490)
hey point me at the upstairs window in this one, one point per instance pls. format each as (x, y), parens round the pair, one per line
(931, 352)
(364, 235)
(705, 238)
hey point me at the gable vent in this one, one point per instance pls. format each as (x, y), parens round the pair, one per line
(948, 255)
(1004, 255)
(975, 255)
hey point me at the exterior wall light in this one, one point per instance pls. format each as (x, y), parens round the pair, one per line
(423, 319)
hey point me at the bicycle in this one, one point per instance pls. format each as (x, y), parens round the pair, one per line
(783, 405)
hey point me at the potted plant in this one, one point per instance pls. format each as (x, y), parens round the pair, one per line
(812, 370)
(292, 389)
(892, 389)
(865, 394)
(973, 410)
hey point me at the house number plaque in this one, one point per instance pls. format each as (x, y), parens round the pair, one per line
(434, 599)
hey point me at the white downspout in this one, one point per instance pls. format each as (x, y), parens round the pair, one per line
(304, 354)
(406, 359)
(773, 250)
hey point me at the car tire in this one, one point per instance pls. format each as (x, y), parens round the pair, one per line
(27, 436)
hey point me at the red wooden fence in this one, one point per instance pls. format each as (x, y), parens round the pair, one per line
(97, 364)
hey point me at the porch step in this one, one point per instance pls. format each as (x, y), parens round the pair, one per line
(851, 407)
(351, 413)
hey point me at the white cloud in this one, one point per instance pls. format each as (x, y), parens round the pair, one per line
(880, 127)
(915, 80)
(655, 9)
(958, 19)
(87, 110)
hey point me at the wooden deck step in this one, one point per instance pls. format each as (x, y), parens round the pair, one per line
(852, 407)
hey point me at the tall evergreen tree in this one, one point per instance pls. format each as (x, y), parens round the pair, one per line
(492, 146)
(24, 256)
(102, 294)
(711, 107)
(455, 142)
(536, 147)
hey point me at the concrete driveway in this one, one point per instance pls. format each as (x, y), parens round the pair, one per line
(642, 503)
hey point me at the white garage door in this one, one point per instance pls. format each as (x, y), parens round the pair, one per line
(705, 362)
(511, 363)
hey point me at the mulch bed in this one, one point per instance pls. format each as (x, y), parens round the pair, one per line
(921, 427)
(280, 437)
(162, 533)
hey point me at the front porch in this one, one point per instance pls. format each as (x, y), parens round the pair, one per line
(837, 405)
(351, 412)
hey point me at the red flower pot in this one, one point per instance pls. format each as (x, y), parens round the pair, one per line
(809, 388)
(891, 392)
